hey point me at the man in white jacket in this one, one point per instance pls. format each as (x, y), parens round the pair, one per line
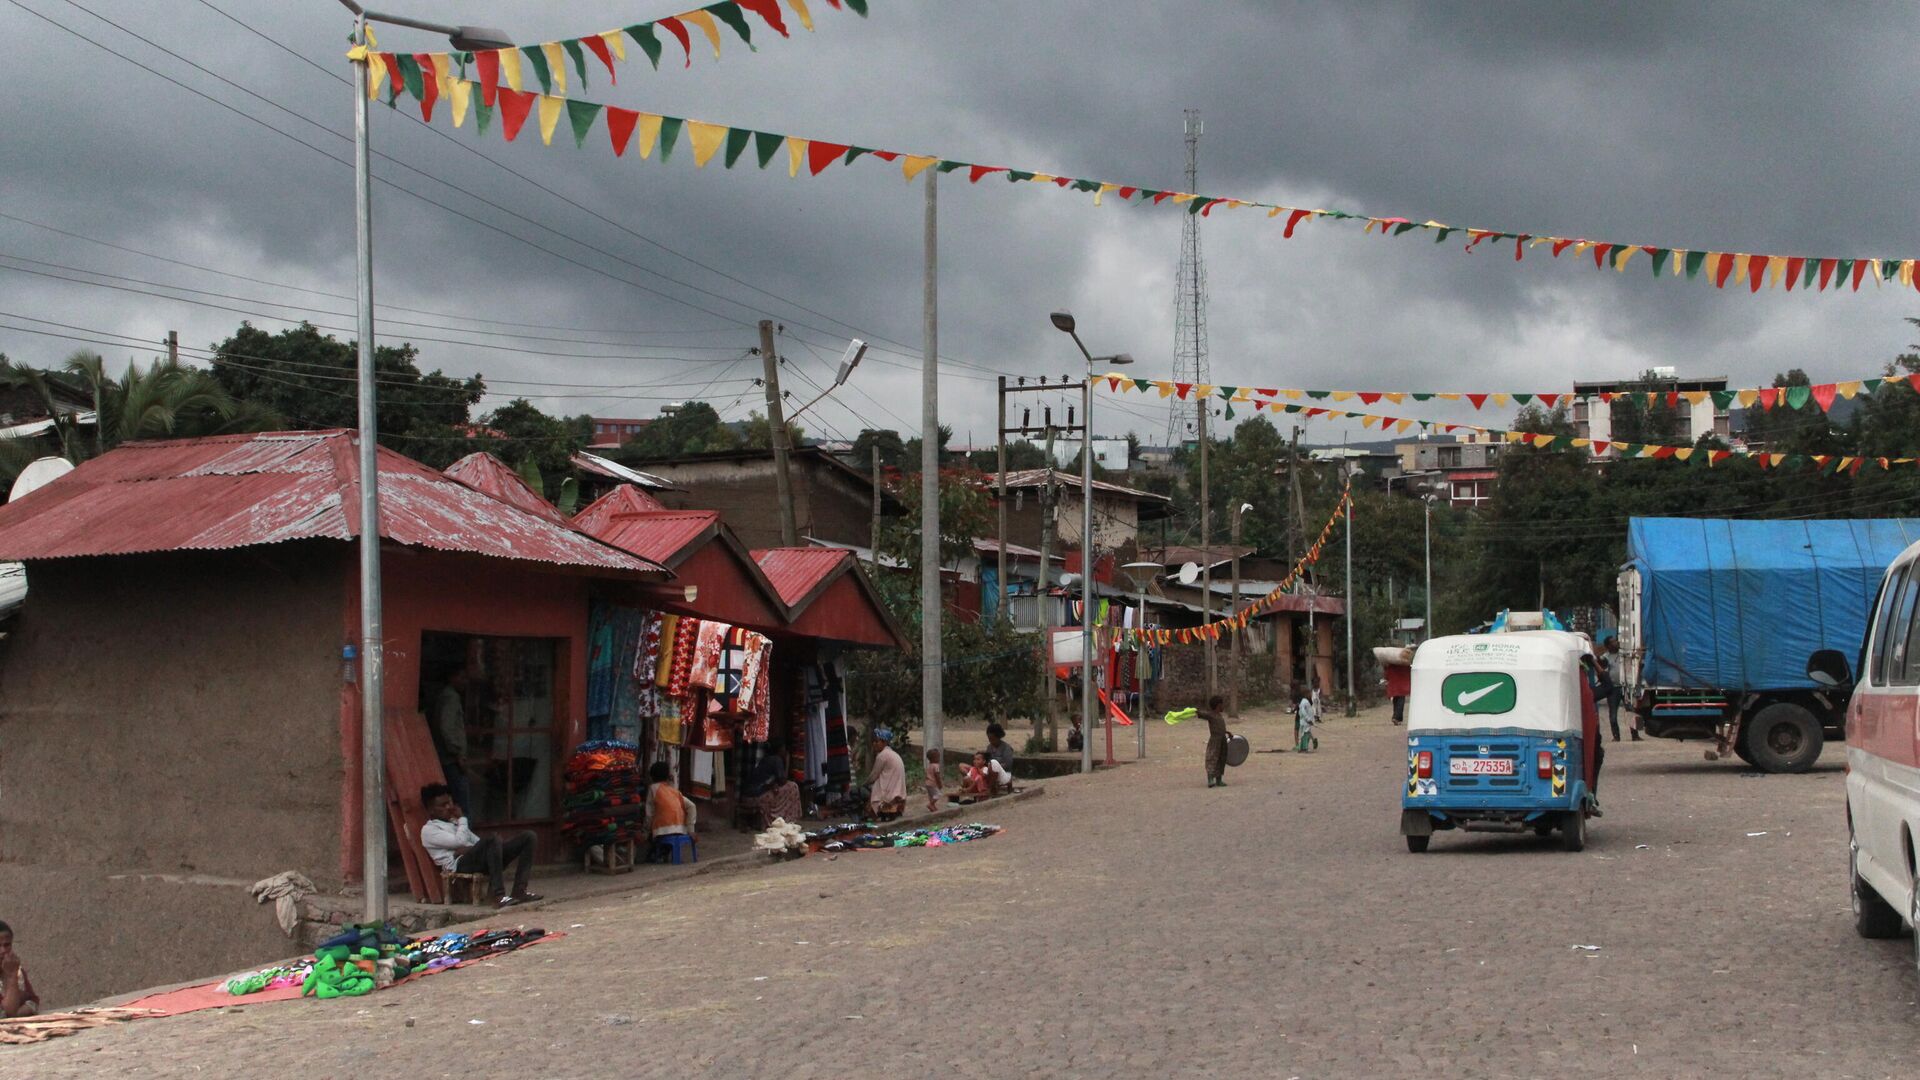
(456, 849)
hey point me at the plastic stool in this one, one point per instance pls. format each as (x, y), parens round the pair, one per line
(678, 846)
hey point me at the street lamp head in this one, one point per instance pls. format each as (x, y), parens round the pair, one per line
(1063, 321)
(1122, 359)
(479, 39)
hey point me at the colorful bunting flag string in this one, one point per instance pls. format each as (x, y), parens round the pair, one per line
(1262, 399)
(425, 75)
(1818, 395)
(1238, 621)
(429, 78)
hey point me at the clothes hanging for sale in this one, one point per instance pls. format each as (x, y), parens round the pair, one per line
(680, 665)
(669, 629)
(708, 644)
(599, 662)
(668, 730)
(646, 665)
(700, 783)
(839, 757)
(760, 708)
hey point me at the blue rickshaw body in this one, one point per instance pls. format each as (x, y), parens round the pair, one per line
(1521, 795)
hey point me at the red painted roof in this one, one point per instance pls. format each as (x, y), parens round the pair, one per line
(234, 491)
(830, 597)
(661, 535)
(624, 499)
(797, 572)
(489, 475)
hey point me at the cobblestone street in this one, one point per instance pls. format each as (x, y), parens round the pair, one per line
(1139, 924)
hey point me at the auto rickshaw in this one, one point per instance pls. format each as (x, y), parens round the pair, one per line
(1501, 733)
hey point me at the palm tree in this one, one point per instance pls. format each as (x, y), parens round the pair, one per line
(163, 400)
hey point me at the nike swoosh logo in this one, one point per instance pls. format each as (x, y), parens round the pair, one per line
(1472, 696)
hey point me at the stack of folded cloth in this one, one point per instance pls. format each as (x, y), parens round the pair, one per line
(606, 794)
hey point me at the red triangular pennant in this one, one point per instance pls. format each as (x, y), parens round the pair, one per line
(1795, 266)
(598, 46)
(679, 31)
(514, 106)
(489, 63)
(1826, 272)
(1477, 399)
(1824, 393)
(620, 126)
(1769, 397)
(429, 86)
(1757, 271)
(822, 154)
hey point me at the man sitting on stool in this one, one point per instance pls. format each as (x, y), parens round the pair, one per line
(455, 849)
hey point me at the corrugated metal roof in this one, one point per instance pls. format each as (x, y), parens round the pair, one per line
(489, 475)
(661, 535)
(1026, 478)
(796, 572)
(235, 491)
(624, 499)
(613, 470)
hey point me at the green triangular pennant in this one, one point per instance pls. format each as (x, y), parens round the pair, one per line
(1422, 397)
(1841, 273)
(1143, 385)
(669, 133)
(580, 114)
(1695, 260)
(858, 7)
(643, 36)
(1086, 185)
(1318, 395)
(1521, 399)
(949, 166)
(1812, 270)
(410, 74)
(1403, 227)
(1659, 257)
(853, 154)
(730, 14)
(1227, 392)
(1871, 386)
(1798, 396)
(482, 116)
(1014, 176)
(1889, 269)
(572, 45)
(538, 57)
(766, 144)
(737, 140)
(1440, 234)
(1229, 410)
(1724, 399)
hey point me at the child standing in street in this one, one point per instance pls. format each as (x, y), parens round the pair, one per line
(936, 782)
(1304, 717)
(1215, 716)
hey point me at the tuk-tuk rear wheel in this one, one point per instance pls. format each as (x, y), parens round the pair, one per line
(1573, 831)
(1418, 844)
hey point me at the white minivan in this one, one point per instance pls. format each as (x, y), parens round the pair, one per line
(1883, 754)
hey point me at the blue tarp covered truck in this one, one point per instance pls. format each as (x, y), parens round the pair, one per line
(1718, 618)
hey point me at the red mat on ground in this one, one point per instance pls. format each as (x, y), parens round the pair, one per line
(213, 995)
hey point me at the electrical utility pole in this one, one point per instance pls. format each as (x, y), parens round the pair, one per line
(173, 348)
(1234, 672)
(875, 527)
(1048, 523)
(1000, 579)
(1206, 551)
(932, 705)
(777, 435)
(1347, 476)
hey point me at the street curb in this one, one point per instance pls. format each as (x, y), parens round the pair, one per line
(725, 864)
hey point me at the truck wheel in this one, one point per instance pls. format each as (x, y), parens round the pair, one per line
(1873, 917)
(1418, 844)
(1573, 831)
(1784, 738)
(1740, 747)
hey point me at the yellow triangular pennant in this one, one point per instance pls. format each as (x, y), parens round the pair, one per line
(556, 66)
(461, 95)
(800, 12)
(704, 20)
(913, 165)
(706, 139)
(510, 66)
(550, 107)
(647, 132)
(796, 154)
(1747, 398)
(616, 41)
(1847, 389)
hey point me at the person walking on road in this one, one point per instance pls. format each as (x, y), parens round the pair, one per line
(1305, 716)
(1605, 690)
(1216, 740)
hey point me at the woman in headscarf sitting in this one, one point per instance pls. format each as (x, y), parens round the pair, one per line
(887, 784)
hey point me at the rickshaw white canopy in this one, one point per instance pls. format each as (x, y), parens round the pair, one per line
(1522, 681)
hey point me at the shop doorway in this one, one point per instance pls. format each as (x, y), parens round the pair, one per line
(504, 691)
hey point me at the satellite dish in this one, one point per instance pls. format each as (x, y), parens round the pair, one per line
(1189, 573)
(39, 474)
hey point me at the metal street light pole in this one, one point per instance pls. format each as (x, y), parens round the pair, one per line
(373, 799)
(1427, 630)
(1352, 706)
(932, 690)
(1063, 321)
(1142, 574)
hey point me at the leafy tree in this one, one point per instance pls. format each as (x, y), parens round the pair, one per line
(759, 434)
(910, 451)
(523, 436)
(892, 451)
(1021, 454)
(309, 379)
(693, 428)
(162, 400)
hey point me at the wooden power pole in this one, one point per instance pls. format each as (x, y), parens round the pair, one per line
(777, 435)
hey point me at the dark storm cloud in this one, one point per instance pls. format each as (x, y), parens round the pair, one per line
(1726, 126)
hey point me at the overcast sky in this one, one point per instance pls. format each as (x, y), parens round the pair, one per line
(1736, 127)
